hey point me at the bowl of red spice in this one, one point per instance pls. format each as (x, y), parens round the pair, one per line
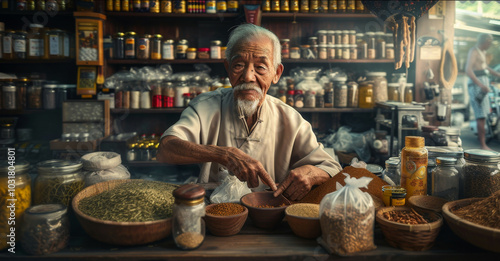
(476, 220)
(225, 219)
(265, 210)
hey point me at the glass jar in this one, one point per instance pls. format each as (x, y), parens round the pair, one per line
(393, 92)
(445, 179)
(294, 6)
(58, 181)
(56, 44)
(34, 93)
(320, 99)
(15, 183)
(61, 94)
(379, 86)
(143, 47)
(119, 46)
(168, 50)
(19, 45)
(352, 36)
(392, 170)
(414, 158)
(332, 6)
(372, 45)
(130, 45)
(345, 37)
(191, 53)
(338, 37)
(353, 52)
(188, 227)
(482, 173)
(9, 96)
(408, 97)
(362, 46)
(329, 94)
(346, 51)
(310, 99)
(7, 45)
(452, 136)
(49, 96)
(304, 6)
(389, 51)
(35, 42)
(215, 49)
(340, 95)
(366, 95)
(322, 37)
(290, 98)
(380, 45)
(299, 99)
(304, 51)
(180, 89)
(330, 51)
(22, 87)
(295, 53)
(203, 53)
(168, 94)
(156, 47)
(400, 78)
(181, 49)
(285, 48)
(352, 94)
(339, 51)
(330, 38)
(313, 6)
(322, 52)
(45, 229)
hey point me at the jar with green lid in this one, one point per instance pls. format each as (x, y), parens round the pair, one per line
(143, 46)
(35, 42)
(130, 45)
(156, 47)
(188, 226)
(482, 173)
(445, 179)
(45, 229)
(14, 178)
(58, 181)
(7, 45)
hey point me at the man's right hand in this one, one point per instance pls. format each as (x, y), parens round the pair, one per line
(246, 168)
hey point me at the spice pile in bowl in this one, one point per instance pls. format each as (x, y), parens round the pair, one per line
(225, 219)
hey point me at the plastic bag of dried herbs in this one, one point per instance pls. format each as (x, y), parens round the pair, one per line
(347, 218)
(230, 190)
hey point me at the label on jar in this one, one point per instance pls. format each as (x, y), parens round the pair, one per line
(35, 47)
(371, 53)
(19, 45)
(221, 6)
(414, 175)
(166, 6)
(215, 52)
(130, 47)
(54, 44)
(181, 48)
(168, 52)
(211, 7)
(7, 44)
(66, 46)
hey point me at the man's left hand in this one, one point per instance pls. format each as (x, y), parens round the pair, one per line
(300, 181)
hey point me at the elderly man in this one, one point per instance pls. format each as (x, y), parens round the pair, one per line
(257, 137)
(479, 84)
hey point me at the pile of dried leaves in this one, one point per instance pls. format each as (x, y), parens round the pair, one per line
(485, 212)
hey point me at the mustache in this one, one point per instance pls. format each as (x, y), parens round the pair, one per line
(248, 86)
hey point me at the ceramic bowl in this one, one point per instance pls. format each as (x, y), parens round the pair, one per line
(224, 225)
(306, 227)
(265, 217)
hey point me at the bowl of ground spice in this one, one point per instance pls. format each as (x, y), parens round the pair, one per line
(303, 219)
(225, 219)
(265, 210)
(126, 212)
(476, 220)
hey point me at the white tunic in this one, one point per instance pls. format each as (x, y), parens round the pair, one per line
(280, 139)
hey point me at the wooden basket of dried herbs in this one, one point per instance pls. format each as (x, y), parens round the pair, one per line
(126, 212)
(476, 220)
(408, 229)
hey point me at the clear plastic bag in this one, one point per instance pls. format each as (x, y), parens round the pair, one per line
(347, 218)
(230, 190)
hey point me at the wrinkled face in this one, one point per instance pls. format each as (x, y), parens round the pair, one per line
(252, 64)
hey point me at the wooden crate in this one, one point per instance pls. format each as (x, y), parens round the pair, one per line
(92, 116)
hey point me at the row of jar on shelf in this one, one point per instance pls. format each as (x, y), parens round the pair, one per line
(50, 6)
(313, 6)
(23, 93)
(173, 6)
(38, 43)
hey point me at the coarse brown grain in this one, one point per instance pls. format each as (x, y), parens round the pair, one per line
(304, 210)
(374, 188)
(405, 217)
(480, 181)
(189, 240)
(485, 212)
(270, 206)
(346, 230)
(226, 209)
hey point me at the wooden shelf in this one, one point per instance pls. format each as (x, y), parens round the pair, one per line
(177, 61)
(4, 112)
(37, 61)
(31, 13)
(179, 110)
(337, 61)
(320, 15)
(170, 15)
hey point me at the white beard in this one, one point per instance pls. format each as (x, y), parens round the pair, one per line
(248, 107)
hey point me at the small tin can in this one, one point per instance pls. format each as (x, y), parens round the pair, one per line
(394, 195)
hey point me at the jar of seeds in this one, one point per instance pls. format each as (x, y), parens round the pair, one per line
(188, 227)
(45, 229)
(58, 181)
(482, 173)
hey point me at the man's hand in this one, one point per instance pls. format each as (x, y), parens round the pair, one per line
(245, 168)
(300, 181)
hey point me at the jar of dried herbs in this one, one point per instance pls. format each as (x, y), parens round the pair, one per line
(58, 181)
(188, 227)
(13, 178)
(482, 173)
(45, 229)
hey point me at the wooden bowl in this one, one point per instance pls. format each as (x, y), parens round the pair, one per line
(119, 233)
(306, 227)
(265, 217)
(225, 225)
(425, 202)
(478, 235)
(410, 237)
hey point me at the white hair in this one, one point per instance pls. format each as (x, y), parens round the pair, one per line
(247, 31)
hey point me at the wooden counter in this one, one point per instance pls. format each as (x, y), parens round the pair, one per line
(257, 244)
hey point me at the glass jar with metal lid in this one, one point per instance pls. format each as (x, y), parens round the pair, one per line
(379, 86)
(365, 95)
(482, 173)
(340, 92)
(408, 94)
(7, 45)
(188, 227)
(380, 45)
(215, 49)
(58, 181)
(372, 45)
(49, 96)
(35, 42)
(392, 170)
(362, 46)
(14, 178)
(45, 229)
(168, 50)
(9, 95)
(445, 179)
(393, 92)
(130, 45)
(285, 48)
(181, 49)
(452, 136)
(352, 94)
(156, 47)
(56, 43)
(143, 47)
(322, 36)
(34, 95)
(22, 85)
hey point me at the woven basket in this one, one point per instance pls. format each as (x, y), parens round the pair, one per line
(481, 236)
(410, 237)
